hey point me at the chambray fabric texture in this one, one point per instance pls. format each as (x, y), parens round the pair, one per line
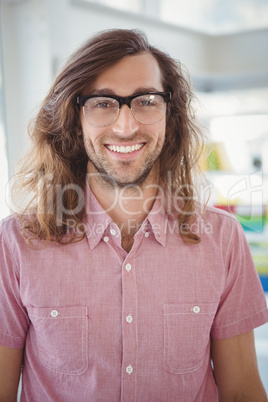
(100, 324)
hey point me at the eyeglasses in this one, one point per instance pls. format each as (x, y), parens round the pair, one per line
(103, 110)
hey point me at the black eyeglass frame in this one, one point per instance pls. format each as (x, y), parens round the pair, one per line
(122, 100)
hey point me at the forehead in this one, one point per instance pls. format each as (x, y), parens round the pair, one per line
(131, 74)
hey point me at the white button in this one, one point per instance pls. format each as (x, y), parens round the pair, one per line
(113, 232)
(128, 267)
(54, 313)
(106, 239)
(146, 234)
(129, 369)
(129, 318)
(196, 309)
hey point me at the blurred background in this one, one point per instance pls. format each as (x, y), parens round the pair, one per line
(224, 46)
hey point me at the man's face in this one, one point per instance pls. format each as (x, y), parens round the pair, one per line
(131, 75)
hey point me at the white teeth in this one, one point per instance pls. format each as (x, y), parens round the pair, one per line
(124, 150)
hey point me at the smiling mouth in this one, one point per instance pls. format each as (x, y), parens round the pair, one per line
(124, 149)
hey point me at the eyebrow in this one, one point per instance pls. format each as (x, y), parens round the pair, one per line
(140, 90)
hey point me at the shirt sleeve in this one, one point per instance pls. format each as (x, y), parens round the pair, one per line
(14, 319)
(242, 305)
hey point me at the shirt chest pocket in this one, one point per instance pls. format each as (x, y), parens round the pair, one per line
(187, 335)
(61, 336)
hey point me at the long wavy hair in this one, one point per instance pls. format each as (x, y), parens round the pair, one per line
(56, 165)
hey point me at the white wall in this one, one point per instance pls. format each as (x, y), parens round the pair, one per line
(26, 68)
(238, 60)
(37, 35)
(240, 53)
(185, 45)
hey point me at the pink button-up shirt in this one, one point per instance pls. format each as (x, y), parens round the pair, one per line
(100, 324)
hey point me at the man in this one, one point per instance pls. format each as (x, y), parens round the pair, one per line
(115, 284)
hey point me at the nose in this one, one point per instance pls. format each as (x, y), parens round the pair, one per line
(125, 124)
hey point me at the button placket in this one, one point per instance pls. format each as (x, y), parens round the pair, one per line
(129, 331)
(129, 369)
(128, 267)
(129, 318)
(113, 232)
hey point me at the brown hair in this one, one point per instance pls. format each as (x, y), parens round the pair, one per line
(58, 158)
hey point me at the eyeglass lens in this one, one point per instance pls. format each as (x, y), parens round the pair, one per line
(102, 111)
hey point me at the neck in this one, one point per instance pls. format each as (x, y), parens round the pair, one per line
(127, 206)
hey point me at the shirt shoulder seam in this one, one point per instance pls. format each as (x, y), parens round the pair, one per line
(9, 218)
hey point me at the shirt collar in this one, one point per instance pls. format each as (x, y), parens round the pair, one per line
(158, 220)
(97, 220)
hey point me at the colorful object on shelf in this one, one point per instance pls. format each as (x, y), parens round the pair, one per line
(252, 217)
(215, 157)
(259, 253)
(264, 282)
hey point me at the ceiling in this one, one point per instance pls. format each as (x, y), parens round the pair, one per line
(213, 17)
(216, 16)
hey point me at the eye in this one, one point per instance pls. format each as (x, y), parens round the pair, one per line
(101, 103)
(145, 101)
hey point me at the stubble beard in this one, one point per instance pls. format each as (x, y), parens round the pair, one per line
(107, 176)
